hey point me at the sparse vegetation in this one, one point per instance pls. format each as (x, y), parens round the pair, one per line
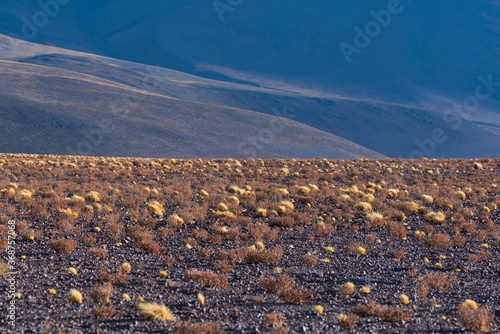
(208, 238)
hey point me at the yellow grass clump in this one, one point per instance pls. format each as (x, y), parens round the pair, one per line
(126, 267)
(288, 205)
(283, 191)
(155, 312)
(235, 200)
(363, 206)
(365, 289)
(404, 299)
(393, 193)
(25, 193)
(223, 214)
(427, 199)
(261, 212)
(469, 303)
(361, 250)
(436, 218)
(93, 196)
(201, 299)
(460, 194)
(75, 296)
(303, 190)
(155, 208)
(176, 219)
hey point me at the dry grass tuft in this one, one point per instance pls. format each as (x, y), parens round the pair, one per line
(155, 312)
(436, 218)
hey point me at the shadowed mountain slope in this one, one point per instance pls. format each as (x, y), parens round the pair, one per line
(51, 110)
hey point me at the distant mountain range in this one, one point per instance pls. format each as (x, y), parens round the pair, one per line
(394, 77)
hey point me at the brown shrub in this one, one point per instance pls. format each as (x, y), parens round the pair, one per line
(275, 319)
(97, 253)
(348, 321)
(479, 234)
(439, 281)
(396, 231)
(186, 327)
(208, 278)
(296, 296)
(144, 239)
(258, 230)
(103, 276)
(362, 310)
(459, 240)
(213, 239)
(347, 289)
(389, 314)
(204, 253)
(473, 258)
(104, 311)
(469, 227)
(309, 260)
(282, 221)
(200, 233)
(100, 293)
(165, 232)
(278, 285)
(483, 254)
(121, 276)
(428, 229)
(480, 319)
(273, 255)
(439, 241)
(116, 228)
(89, 240)
(406, 206)
(4, 242)
(398, 255)
(223, 267)
(64, 246)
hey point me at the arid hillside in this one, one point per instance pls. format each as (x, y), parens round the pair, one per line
(50, 94)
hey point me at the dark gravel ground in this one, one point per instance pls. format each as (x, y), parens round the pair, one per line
(235, 308)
